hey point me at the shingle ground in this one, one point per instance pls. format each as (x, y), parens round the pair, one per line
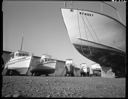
(38, 86)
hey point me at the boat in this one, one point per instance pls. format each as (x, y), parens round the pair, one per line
(98, 37)
(46, 66)
(19, 62)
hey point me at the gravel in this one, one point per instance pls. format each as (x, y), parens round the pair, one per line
(38, 86)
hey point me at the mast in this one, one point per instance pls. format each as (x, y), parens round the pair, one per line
(22, 41)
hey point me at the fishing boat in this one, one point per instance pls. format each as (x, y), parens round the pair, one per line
(46, 66)
(19, 62)
(97, 36)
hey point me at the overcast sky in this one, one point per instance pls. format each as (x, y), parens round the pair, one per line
(43, 27)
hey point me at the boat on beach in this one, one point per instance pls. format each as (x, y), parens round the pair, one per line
(46, 66)
(97, 36)
(18, 64)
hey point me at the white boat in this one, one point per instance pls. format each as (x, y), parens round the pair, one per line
(19, 63)
(97, 36)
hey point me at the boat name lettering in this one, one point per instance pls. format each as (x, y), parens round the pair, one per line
(83, 13)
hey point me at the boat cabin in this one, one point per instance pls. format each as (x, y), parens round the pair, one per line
(45, 58)
(20, 54)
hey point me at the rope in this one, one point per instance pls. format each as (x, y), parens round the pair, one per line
(88, 29)
(93, 30)
(98, 40)
(119, 17)
(86, 35)
(80, 33)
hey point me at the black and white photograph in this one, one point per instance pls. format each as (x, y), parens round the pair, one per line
(64, 49)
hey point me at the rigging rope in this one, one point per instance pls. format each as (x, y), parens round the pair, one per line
(88, 29)
(80, 33)
(98, 40)
(93, 30)
(87, 32)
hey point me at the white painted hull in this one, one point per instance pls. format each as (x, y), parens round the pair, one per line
(98, 37)
(95, 28)
(20, 64)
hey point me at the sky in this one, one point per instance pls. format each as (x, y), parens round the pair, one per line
(44, 29)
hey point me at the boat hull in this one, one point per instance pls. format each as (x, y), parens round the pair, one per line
(94, 27)
(98, 37)
(44, 68)
(19, 65)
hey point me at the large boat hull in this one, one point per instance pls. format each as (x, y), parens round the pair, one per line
(98, 37)
(94, 27)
